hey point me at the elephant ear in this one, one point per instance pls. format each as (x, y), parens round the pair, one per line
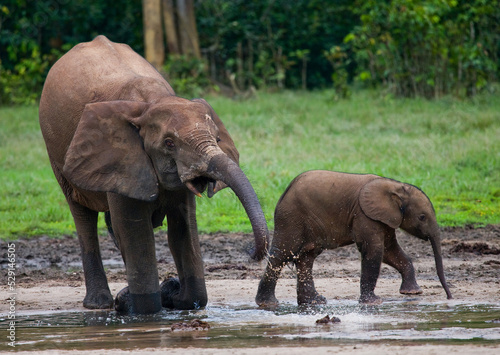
(382, 200)
(226, 143)
(107, 154)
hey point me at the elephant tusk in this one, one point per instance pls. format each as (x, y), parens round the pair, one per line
(193, 189)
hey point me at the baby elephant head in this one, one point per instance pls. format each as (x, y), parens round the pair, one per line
(404, 206)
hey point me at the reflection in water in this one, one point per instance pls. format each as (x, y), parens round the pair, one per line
(240, 325)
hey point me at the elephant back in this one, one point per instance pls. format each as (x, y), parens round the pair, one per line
(90, 72)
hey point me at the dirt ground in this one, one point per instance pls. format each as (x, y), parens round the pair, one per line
(49, 277)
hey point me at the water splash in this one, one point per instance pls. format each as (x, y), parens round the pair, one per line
(245, 325)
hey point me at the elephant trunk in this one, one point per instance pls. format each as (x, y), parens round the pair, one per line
(436, 247)
(222, 168)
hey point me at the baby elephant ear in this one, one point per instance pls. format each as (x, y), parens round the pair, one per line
(107, 154)
(382, 200)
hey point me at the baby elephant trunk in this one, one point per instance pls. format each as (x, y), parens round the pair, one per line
(436, 247)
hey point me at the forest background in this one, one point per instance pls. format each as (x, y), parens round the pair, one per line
(406, 89)
(428, 48)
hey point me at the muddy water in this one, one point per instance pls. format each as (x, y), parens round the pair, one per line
(243, 325)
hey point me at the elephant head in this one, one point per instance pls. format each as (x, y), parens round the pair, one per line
(404, 206)
(136, 149)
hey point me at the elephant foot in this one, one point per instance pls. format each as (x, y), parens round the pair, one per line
(171, 295)
(266, 301)
(266, 297)
(98, 300)
(125, 302)
(169, 289)
(311, 300)
(370, 299)
(411, 289)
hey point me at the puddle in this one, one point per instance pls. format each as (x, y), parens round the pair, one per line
(243, 325)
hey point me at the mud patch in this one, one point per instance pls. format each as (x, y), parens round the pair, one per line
(193, 325)
(213, 268)
(57, 260)
(327, 320)
(476, 248)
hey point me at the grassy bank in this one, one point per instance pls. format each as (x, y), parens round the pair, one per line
(449, 148)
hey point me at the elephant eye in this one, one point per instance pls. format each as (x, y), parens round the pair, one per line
(218, 139)
(421, 217)
(169, 143)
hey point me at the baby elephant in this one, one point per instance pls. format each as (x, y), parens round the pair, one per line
(325, 210)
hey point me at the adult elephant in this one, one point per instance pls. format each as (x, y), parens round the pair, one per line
(120, 141)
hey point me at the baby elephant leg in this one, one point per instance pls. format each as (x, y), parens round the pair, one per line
(306, 292)
(371, 259)
(394, 256)
(267, 286)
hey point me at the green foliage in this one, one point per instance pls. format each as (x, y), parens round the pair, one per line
(35, 33)
(339, 61)
(188, 76)
(447, 147)
(427, 48)
(260, 48)
(24, 83)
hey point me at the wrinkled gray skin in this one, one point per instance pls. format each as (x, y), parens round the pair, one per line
(325, 210)
(121, 142)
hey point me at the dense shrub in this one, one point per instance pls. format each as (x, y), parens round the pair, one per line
(34, 33)
(187, 76)
(427, 48)
(23, 84)
(272, 43)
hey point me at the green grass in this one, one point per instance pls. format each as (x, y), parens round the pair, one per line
(449, 148)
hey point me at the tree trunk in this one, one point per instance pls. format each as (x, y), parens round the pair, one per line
(240, 80)
(187, 28)
(279, 68)
(154, 49)
(304, 72)
(250, 63)
(170, 27)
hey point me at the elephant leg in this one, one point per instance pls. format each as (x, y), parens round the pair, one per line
(98, 294)
(189, 292)
(371, 260)
(267, 286)
(306, 291)
(131, 222)
(394, 256)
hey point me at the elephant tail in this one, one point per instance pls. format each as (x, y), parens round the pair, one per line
(107, 219)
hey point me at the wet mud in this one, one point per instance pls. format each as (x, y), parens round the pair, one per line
(50, 281)
(225, 255)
